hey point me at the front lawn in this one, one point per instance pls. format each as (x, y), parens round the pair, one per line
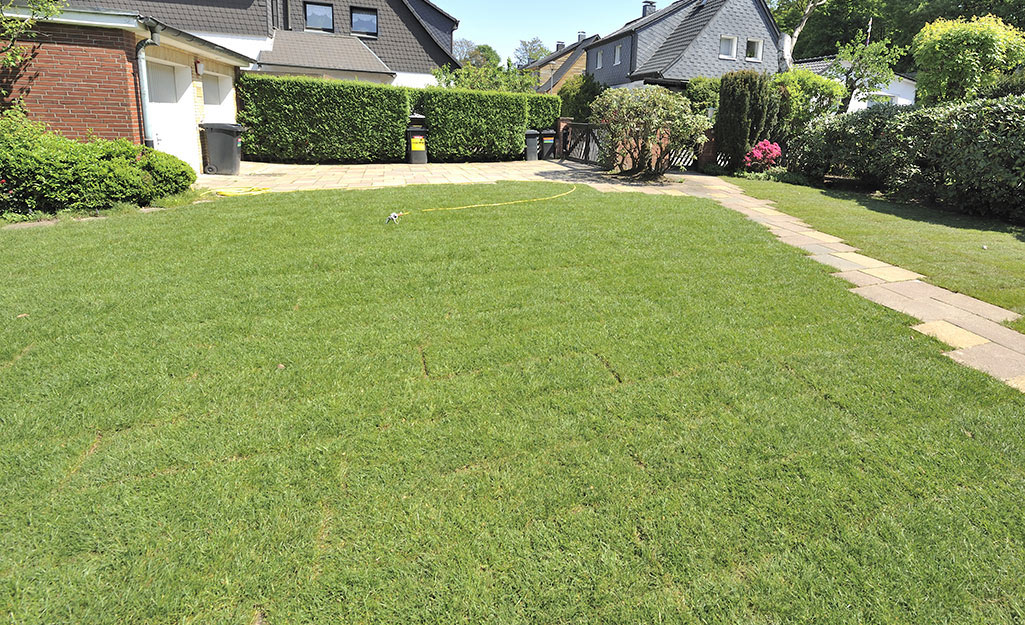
(976, 256)
(605, 408)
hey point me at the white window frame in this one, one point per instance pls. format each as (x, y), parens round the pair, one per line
(599, 59)
(761, 50)
(724, 57)
(619, 55)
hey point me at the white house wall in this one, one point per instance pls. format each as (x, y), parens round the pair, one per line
(900, 91)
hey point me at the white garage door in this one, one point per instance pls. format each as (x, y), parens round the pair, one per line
(172, 112)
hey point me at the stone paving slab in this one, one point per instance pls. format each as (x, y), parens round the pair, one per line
(893, 274)
(859, 278)
(950, 334)
(996, 360)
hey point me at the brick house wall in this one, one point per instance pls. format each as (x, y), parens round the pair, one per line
(81, 81)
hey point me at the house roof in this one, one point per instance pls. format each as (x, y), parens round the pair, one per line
(446, 47)
(565, 68)
(323, 51)
(577, 45)
(237, 17)
(691, 18)
(820, 64)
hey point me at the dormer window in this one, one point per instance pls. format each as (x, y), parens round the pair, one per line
(754, 50)
(364, 22)
(728, 48)
(320, 17)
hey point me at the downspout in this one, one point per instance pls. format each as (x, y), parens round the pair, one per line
(140, 56)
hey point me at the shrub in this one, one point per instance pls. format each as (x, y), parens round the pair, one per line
(748, 112)
(543, 111)
(1013, 84)
(577, 95)
(957, 58)
(964, 156)
(474, 125)
(646, 131)
(45, 172)
(312, 120)
(703, 93)
(763, 156)
(808, 96)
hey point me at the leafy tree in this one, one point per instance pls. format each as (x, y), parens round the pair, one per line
(864, 67)
(484, 55)
(578, 93)
(794, 16)
(959, 57)
(646, 131)
(462, 48)
(809, 97)
(530, 51)
(487, 78)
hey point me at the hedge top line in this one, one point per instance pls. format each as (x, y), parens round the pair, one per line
(535, 103)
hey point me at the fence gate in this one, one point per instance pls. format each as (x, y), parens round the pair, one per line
(580, 143)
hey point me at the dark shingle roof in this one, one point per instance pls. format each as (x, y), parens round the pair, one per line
(819, 65)
(692, 16)
(237, 17)
(435, 34)
(322, 51)
(641, 22)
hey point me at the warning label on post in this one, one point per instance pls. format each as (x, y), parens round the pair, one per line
(417, 144)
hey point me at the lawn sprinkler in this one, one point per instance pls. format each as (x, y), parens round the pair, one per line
(394, 218)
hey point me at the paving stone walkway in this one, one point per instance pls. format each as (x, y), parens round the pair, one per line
(971, 327)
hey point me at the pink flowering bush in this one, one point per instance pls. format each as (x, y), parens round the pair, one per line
(763, 156)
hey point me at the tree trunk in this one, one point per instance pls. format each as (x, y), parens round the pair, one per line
(808, 10)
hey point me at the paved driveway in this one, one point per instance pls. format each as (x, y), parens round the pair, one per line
(278, 177)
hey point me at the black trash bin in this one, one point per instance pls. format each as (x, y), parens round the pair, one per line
(548, 145)
(223, 148)
(416, 140)
(532, 136)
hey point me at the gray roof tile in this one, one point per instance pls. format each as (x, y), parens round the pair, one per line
(691, 19)
(322, 51)
(237, 17)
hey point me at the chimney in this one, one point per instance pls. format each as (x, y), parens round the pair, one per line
(648, 8)
(581, 36)
(559, 46)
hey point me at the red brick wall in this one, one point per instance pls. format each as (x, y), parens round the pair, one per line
(81, 81)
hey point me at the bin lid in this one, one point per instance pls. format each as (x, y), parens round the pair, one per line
(224, 127)
(532, 133)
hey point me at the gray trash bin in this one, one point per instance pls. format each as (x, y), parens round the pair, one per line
(532, 136)
(223, 148)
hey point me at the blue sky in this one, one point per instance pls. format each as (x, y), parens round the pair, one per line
(502, 24)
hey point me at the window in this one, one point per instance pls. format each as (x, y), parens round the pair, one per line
(163, 87)
(754, 50)
(364, 22)
(320, 17)
(213, 95)
(619, 54)
(600, 59)
(728, 48)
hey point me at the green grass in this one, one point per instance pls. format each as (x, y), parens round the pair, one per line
(980, 257)
(606, 408)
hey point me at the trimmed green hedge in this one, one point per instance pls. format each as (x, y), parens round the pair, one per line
(474, 125)
(543, 111)
(964, 156)
(313, 120)
(44, 172)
